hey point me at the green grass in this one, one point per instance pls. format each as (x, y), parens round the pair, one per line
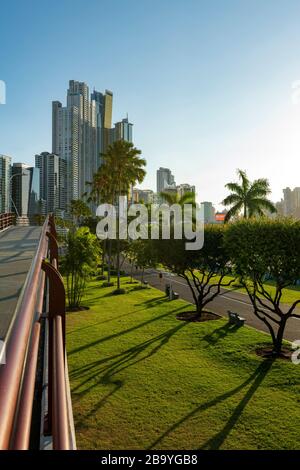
(141, 379)
(289, 295)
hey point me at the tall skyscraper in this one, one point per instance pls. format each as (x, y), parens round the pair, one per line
(52, 170)
(81, 131)
(103, 103)
(25, 190)
(164, 179)
(5, 183)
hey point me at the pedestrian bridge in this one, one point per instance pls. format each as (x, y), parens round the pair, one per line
(17, 248)
(35, 400)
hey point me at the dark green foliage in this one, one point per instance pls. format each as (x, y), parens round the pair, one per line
(203, 270)
(262, 249)
(79, 262)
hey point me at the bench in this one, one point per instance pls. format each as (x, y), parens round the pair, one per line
(235, 319)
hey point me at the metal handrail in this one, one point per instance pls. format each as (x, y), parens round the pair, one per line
(6, 220)
(18, 375)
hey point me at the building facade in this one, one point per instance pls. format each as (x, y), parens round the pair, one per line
(289, 206)
(207, 212)
(25, 190)
(52, 169)
(81, 133)
(164, 180)
(5, 183)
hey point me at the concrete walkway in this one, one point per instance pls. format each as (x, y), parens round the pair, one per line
(17, 248)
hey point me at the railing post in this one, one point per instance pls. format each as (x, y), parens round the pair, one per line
(57, 306)
(53, 245)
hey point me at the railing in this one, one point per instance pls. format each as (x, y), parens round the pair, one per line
(38, 324)
(6, 220)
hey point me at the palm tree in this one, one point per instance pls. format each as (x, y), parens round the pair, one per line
(101, 190)
(175, 198)
(125, 167)
(249, 197)
(78, 209)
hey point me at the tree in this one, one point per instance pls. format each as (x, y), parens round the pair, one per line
(251, 198)
(144, 255)
(78, 209)
(263, 249)
(175, 198)
(203, 270)
(123, 164)
(82, 250)
(101, 189)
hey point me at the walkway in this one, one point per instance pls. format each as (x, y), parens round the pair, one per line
(17, 247)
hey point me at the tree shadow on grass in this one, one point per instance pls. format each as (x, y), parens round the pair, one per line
(111, 365)
(123, 332)
(220, 333)
(216, 441)
(104, 370)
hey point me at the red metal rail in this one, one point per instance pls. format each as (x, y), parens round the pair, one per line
(43, 286)
(6, 220)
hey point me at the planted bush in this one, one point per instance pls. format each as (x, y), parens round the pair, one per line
(263, 249)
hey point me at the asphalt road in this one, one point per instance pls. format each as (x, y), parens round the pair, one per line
(17, 247)
(227, 300)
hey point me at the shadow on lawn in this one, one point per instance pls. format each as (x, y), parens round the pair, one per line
(123, 332)
(103, 371)
(217, 440)
(220, 333)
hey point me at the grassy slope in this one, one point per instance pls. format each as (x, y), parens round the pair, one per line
(142, 379)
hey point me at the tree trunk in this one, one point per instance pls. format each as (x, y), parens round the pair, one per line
(245, 211)
(131, 272)
(118, 262)
(277, 346)
(109, 261)
(199, 307)
(103, 257)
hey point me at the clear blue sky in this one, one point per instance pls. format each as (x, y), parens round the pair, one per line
(207, 84)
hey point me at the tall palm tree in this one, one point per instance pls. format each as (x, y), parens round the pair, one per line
(101, 190)
(248, 197)
(125, 167)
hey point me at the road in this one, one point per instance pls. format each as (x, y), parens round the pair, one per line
(227, 300)
(17, 247)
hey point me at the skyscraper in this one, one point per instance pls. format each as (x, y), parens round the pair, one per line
(103, 103)
(291, 202)
(122, 130)
(5, 186)
(52, 170)
(25, 190)
(164, 179)
(81, 131)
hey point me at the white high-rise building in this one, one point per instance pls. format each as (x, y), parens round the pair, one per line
(81, 132)
(5, 183)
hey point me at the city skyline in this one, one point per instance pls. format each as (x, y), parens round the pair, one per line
(233, 109)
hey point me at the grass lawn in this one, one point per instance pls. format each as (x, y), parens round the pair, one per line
(141, 379)
(289, 295)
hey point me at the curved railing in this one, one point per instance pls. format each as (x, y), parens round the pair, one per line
(6, 220)
(36, 328)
